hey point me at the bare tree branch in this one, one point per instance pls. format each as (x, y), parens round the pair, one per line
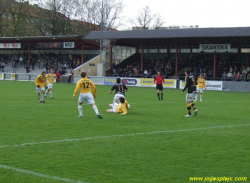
(147, 20)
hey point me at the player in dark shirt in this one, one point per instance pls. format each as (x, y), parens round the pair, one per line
(191, 96)
(159, 80)
(120, 89)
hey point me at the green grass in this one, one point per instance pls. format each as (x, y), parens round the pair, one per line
(121, 149)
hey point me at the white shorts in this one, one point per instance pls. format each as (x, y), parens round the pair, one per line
(191, 97)
(117, 98)
(114, 105)
(199, 90)
(39, 89)
(50, 85)
(86, 97)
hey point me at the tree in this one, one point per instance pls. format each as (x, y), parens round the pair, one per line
(4, 6)
(58, 17)
(90, 15)
(12, 17)
(17, 11)
(157, 22)
(147, 20)
(53, 16)
(114, 14)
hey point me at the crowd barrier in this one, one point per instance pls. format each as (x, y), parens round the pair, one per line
(140, 82)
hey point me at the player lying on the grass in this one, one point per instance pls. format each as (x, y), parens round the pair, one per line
(51, 78)
(40, 82)
(86, 84)
(201, 83)
(120, 89)
(191, 96)
(122, 107)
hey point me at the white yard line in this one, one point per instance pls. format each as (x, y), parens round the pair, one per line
(39, 174)
(122, 135)
(132, 103)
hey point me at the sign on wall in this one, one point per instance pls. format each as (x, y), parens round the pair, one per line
(215, 47)
(147, 82)
(169, 83)
(10, 45)
(50, 45)
(68, 45)
(210, 85)
(130, 81)
(109, 80)
(214, 85)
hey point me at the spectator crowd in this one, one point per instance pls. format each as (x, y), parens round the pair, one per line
(42, 60)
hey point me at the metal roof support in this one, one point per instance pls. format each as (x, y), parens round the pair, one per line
(110, 59)
(176, 60)
(29, 55)
(142, 57)
(105, 43)
(168, 53)
(110, 56)
(239, 53)
(215, 59)
(82, 60)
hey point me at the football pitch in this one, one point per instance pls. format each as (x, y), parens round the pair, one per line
(154, 143)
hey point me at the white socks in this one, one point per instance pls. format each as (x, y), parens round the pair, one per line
(80, 110)
(50, 94)
(96, 110)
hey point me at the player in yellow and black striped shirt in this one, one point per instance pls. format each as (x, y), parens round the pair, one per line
(192, 93)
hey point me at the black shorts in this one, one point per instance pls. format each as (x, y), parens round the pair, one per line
(159, 87)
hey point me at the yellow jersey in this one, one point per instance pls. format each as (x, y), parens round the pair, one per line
(40, 80)
(51, 78)
(85, 84)
(201, 83)
(122, 108)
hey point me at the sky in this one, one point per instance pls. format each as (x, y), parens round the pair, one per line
(205, 13)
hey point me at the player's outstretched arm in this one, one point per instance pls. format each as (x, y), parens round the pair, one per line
(77, 88)
(110, 92)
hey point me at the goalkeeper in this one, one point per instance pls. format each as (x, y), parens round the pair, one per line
(40, 82)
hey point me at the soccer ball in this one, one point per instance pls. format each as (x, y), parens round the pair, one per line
(128, 106)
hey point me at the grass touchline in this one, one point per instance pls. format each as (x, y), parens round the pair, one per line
(122, 135)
